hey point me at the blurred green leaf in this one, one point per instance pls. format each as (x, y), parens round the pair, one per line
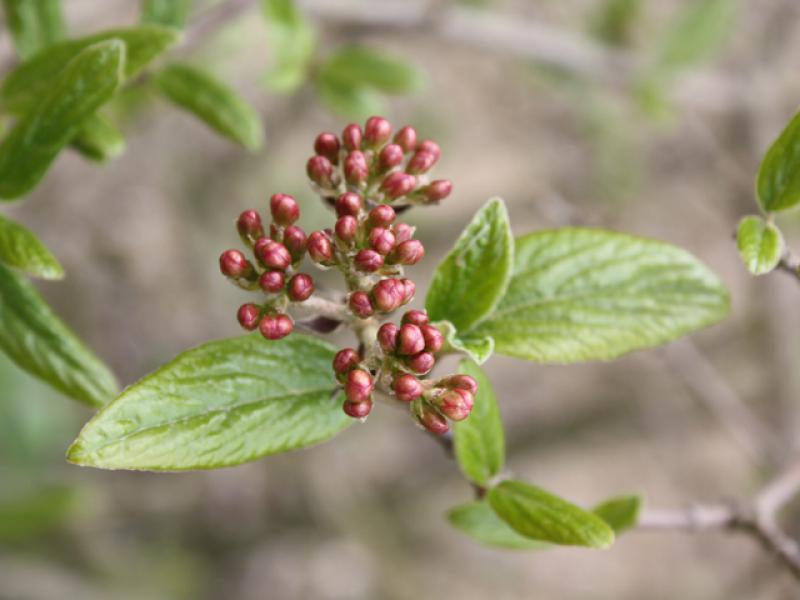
(98, 139)
(479, 440)
(172, 13)
(221, 404)
(778, 183)
(478, 349)
(358, 67)
(31, 80)
(21, 249)
(539, 515)
(621, 512)
(34, 24)
(292, 41)
(760, 244)
(87, 82)
(614, 20)
(351, 102)
(35, 513)
(212, 102)
(34, 338)
(587, 294)
(480, 522)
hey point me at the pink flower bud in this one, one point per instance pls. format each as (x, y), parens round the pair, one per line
(248, 316)
(387, 294)
(346, 228)
(357, 410)
(233, 264)
(351, 137)
(284, 209)
(275, 327)
(358, 387)
(294, 238)
(409, 289)
(327, 144)
(381, 240)
(319, 170)
(361, 305)
(356, 169)
(407, 388)
(319, 248)
(409, 252)
(410, 340)
(368, 261)
(434, 340)
(249, 225)
(390, 157)
(438, 190)
(301, 286)
(403, 232)
(382, 215)
(463, 382)
(348, 204)
(387, 337)
(345, 361)
(406, 138)
(456, 404)
(272, 281)
(416, 317)
(398, 184)
(430, 146)
(273, 254)
(377, 131)
(421, 162)
(432, 420)
(421, 363)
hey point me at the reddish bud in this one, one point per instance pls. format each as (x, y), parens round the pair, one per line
(358, 386)
(249, 225)
(409, 252)
(403, 232)
(319, 248)
(416, 317)
(327, 144)
(351, 137)
(398, 184)
(346, 228)
(294, 238)
(434, 340)
(356, 169)
(377, 131)
(438, 190)
(275, 327)
(390, 157)
(407, 388)
(348, 203)
(361, 305)
(381, 240)
(387, 337)
(421, 162)
(388, 294)
(421, 363)
(406, 138)
(463, 382)
(410, 340)
(284, 209)
(272, 281)
(273, 254)
(382, 215)
(357, 410)
(345, 361)
(319, 170)
(248, 316)
(432, 420)
(430, 146)
(368, 261)
(456, 404)
(301, 286)
(233, 263)
(409, 289)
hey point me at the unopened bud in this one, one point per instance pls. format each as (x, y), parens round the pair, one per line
(390, 157)
(361, 305)
(284, 209)
(377, 131)
(357, 410)
(348, 204)
(430, 146)
(430, 419)
(319, 248)
(358, 387)
(272, 281)
(410, 340)
(421, 162)
(398, 184)
(456, 404)
(434, 340)
(407, 388)
(382, 215)
(249, 225)
(381, 240)
(415, 317)
(463, 382)
(327, 144)
(403, 232)
(248, 316)
(346, 228)
(275, 327)
(388, 294)
(438, 190)
(409, 289)
(387, 337)
(409, 252)
(301, 286)
(294, 238)
(351, 137)
(319, 170)
(421, 363)
(406, 138)
(233, 264)
(356, 169)
(368, 260)
(345, 361)
(273, 254)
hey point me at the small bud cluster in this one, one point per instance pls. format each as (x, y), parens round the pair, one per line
(274, 270)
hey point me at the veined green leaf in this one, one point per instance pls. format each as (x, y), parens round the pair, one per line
(34, 78)
(221, 404)
(98, 139)
(478, 349)
(213, 102)
(21, 249)
(539, 515)
(34, 24)
(480, 522)
(357, 67)
(172, 13)
(85, 84)
(778, 183)
(620, 512)
(292, 41)
(587, 294)
(760, 244)
(34, 338)
(479, 440)
(469, 283)
(352, 102)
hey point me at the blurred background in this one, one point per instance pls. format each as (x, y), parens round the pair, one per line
(623, 114)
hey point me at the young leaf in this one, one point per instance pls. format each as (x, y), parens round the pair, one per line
(778, 182)
(352, 102)
(760, 244)
(213, 102)
(587, 294)
(621, 512)
(86, 83)
(34, 25)
(98, 139)
(33, 337)
(539, 515)
(480, 522)
(471, 280)
(34, 78)
(358, 67)
(478, 349)
(172, 13)
(224, 403)
(479, 440)
(292, 41)
(22, 250)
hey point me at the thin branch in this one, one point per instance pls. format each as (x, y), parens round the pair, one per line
(789, 264)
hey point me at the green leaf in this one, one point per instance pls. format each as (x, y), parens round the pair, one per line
(479, 440)
(85, 84)
(21, 249)
(621, 512)
(172, 13)
(34, 78)
(348, 101)
(212, 102)
(34, 338)
(539, 515)
(221, 404)
(35, 513)
(98, 139)
(778, 183)
(34, 24)
(587, 294)
(292, 41)
(480, 522)
(471, 280)
(613, 22)
(478, 349)
(760, 244)
(358, 67)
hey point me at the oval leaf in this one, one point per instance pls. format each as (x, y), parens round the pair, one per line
(34, 25)
(588, 294)
(480, 522)
(479, 440)
(778, 183)
(33, 337)
(22, 250)
(760, 244)
(85, 84)
(221, 404)
(292, 41)
(621, 512)
(213, 102)
(356, 66)
(539, 515)
(98, 140)
(473, 277)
